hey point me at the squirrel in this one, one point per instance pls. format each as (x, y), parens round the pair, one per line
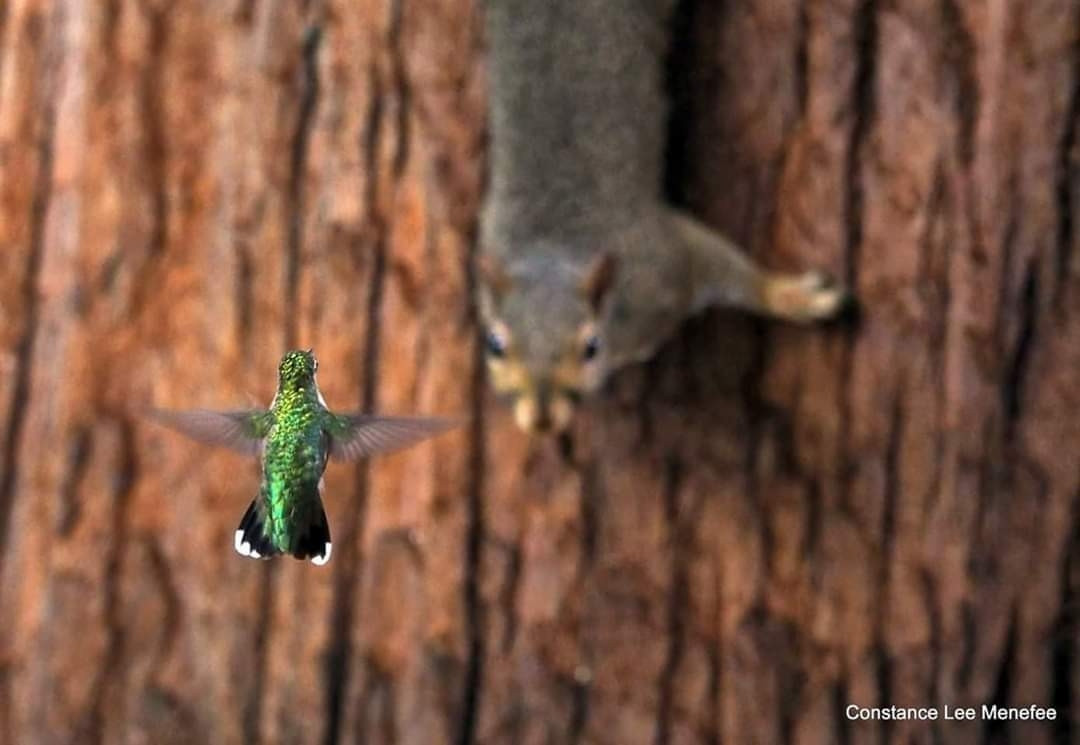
(582, 267)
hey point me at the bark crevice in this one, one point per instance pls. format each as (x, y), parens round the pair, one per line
(508, 595)
(475, 535)
(301, 145)
(1068, 163)
(475, 524)
(112, 675)
(929, 587)
(345, 605)
(680, 540)
(579, 711)
(1064, 659)
(864, 95)
(253, 704)
(841, 698)
(162, 573)
(1012, 389)
(152, 89)
(153, 171)
(78, 458)
(801, 71)
(402, 87)
(995, 730)
(3, 39)
(960, 55)
(863, 104)
(24, 349)
(243, 289)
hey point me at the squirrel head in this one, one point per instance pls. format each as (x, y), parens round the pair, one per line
(543, 335)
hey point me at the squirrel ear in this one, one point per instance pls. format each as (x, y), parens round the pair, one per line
(493, 273)
(598, 279)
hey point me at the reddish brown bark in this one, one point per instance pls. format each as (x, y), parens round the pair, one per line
(759, 527)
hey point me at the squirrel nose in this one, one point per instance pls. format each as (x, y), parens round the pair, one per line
(542, 418)
(532, 411)
(544, 410)
(553, 409)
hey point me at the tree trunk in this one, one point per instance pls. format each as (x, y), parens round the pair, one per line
(761, 527)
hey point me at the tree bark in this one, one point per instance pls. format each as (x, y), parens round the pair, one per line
(762, 526)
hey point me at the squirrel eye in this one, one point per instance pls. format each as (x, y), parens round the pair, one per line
(592, 346)
(496, 347)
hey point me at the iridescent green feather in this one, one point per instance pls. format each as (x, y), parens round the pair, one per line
(294, 458)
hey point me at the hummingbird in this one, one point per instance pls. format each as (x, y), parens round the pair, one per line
(294, 438)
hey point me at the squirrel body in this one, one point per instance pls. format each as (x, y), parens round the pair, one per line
(584, 267)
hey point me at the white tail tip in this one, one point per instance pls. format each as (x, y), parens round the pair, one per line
(321, 560)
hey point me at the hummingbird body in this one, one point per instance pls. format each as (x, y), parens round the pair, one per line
(287, 514)
(295, 438)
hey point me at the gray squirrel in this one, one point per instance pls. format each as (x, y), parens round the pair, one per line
(582, 266)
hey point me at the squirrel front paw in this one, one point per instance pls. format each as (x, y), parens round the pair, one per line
(806, 297)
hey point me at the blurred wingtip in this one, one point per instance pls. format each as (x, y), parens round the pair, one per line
(434, 425)
(166, 417)
(445, 423)
(151, 413)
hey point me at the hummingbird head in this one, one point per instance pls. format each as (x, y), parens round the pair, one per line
(297, 369)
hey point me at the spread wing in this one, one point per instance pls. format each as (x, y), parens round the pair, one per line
(242, 431)
(355, 436)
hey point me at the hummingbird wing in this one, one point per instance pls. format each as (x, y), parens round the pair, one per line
(355, 436)
(242, 431)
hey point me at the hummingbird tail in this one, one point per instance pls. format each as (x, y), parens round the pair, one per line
(251, 539)
(312, 540)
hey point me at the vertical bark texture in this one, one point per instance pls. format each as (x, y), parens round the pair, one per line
(756, 529)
